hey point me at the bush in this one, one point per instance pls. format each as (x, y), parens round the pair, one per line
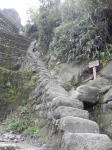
(16, 124)
(32, 130)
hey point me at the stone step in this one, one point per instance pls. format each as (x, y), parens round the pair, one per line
(86, 141)
(65, 101)
(78, 125)
(21, 146)
(7, 146)
(63, 111)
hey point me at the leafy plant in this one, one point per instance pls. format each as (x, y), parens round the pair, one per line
(32, 130)
(16, 124)
(68, 86)
(31, 82)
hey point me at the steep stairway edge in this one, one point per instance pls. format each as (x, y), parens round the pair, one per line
(76, 129)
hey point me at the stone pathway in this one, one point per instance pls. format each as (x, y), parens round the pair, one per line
(53, 103)
(10, 141)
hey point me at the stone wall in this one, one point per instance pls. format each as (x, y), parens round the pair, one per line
(13, 46)
(60, 115)
(13, 16)
(6, 24)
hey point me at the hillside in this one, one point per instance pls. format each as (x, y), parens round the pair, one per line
(49, 99)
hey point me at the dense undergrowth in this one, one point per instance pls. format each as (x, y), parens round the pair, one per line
(74, 30)
(16, 101)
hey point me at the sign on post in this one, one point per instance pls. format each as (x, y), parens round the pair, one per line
(93, 65)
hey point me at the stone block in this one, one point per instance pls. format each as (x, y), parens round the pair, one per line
(86, 141)
(78, 125)
(66, 101)
(63, 111)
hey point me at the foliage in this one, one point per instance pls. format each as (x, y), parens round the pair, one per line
(16, 124)
(106, 55)
(68, 86)
(22, 121)
(32, 130)
(15, 89)
(74, 30)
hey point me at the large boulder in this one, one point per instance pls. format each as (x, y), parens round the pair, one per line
(64, 111)
(86, 93)
(65, 101)
(107, 71)
(78, 125)
(99, 82)
(86, 141)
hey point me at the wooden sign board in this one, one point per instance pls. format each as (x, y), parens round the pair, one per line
(94, 64)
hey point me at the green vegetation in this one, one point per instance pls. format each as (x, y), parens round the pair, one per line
(68, 86)
(15, 124)
(75, 30)
(15, 89)
(23, 121)
(16, 101)
(32, 130)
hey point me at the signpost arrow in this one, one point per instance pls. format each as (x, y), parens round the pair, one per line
(93, 65)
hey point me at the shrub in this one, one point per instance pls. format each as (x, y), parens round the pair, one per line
(16, 124)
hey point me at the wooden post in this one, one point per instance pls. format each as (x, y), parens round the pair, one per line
(94, 72)
(93, 65)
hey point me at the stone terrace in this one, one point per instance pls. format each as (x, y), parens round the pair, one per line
(13, 46)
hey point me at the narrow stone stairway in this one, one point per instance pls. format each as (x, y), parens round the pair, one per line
(56, 110)
(54, 103)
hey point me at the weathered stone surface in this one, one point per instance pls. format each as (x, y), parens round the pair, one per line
(107, 97)
(51, 96)
(54, 91)
(86, 93)
(53, 85)
(64, 101)
(13, 15)
(105, 88)
(64, 111)
(107, 71)
(69, 72)
(86, 141)
(4, 146)
(99, 82)
(109, 130)
(78, 125)
(109, 105)
(106, 119)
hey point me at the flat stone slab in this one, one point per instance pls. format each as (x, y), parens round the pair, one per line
(65, 101)
(7, 146)
(64, 111)
(86, 141)
(78, 125)
(19, 146)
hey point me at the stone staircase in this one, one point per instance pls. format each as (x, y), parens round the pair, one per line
(56, 110)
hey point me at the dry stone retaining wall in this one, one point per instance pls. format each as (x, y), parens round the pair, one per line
(60, 116)
(13, 46)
